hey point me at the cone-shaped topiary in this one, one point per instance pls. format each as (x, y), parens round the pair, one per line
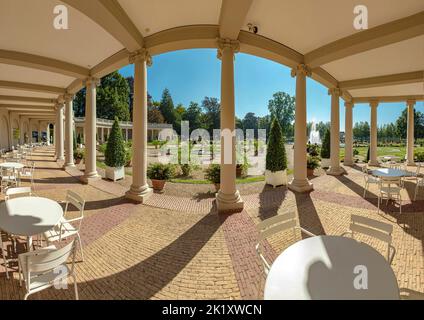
(276, 158)
(326, 145)
(115, 149)
(368, 154)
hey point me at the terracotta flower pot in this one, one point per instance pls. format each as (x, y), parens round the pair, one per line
(158, 185)
(78, 161)
(217, 186)
(310, 172)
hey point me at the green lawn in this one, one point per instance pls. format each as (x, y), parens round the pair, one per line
(383, 151)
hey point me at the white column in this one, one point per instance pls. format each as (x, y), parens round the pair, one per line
(373, 136)
(126, 135)
(348, 160)
(300, 182)
(102, 133)
(59, 136)
(48, 133)
(90, 173)
(228, 197)
(69, 139)
(140, 190)
(410, 133)
(335, 168)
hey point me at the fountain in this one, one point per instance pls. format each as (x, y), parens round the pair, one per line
(314, 137)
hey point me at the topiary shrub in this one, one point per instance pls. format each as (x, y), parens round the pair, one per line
(276, 158)
(326, 145)
(368, 154)
(115, 148)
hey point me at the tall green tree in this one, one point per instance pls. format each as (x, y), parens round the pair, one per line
(212, 115)
(112, 97)
(276, 158)
(79, 103)
(167, 108)
(282, 107)
(193, 115)
(115, 148)
(401, 124)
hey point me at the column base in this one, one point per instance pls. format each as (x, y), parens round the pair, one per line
(139, 194)
(374, 163)
(68, 166)
(229, 203)
(335, 171)
(348, 162)
(301, 185)
(88, 179)
(411, 164)
(60, 158)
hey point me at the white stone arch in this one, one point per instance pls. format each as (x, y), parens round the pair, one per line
(4, 133)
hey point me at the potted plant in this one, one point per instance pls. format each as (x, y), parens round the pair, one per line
(213, 174)
(79, 141)
(326, 150)
(78, 155)
(311, 165)
(159, 173)
(276, 158)
(115, 154)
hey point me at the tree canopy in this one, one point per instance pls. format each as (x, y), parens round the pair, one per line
(282, 107)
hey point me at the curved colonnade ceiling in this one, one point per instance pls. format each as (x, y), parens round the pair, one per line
(38, 63)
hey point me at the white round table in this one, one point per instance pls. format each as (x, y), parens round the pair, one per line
(389, 173)
(29, 216)
(327, 268)
(14, 165)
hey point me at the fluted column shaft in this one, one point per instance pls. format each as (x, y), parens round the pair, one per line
(140, 190)
(335, 168)
(373, 135)
(410, 132)
(90, 130)
(300, 182)
(69, 139)
(348, 160)
(59, 132)
(228, 197)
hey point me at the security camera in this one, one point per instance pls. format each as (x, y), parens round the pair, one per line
(252, 28)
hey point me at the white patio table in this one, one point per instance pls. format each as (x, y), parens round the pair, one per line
(14, 165)
(330, 268)
(389, 173)
(29, 216)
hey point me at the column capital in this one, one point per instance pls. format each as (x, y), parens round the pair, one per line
(349, 104)
(58, 105)
(301, 69)
(411, 102)
(223, 44)
(140, 55)
(68, 97)
(374, 103)
(91, 81)
(335, 92)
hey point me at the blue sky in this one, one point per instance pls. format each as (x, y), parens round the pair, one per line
(191, 75)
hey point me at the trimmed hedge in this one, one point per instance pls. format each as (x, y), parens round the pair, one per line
(326, 145)
(115, 148)
(276, 158)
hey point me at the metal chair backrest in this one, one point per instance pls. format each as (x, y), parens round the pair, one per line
(48, 260)
(276, 224)
(12, 193)
(77, 201)
(372, 228)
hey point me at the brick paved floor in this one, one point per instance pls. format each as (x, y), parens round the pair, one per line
(180, 248)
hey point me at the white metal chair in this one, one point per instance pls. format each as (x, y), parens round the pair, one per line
(375, 229)
(368, 179)
(8, 178)
(28, 172)
(274, 225)
(390, 190)
(68, 227)
(46, 267)
(18, 192)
